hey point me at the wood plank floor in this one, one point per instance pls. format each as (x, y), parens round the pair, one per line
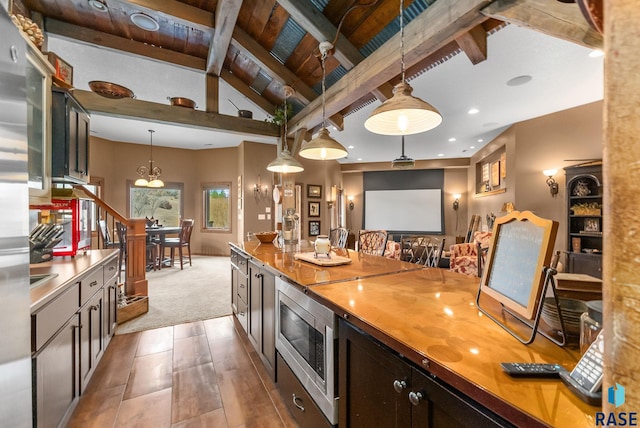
(201, 374)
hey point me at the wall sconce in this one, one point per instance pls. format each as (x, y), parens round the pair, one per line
(456, 203)
(553, 185)
(351, 204)
(259, 191)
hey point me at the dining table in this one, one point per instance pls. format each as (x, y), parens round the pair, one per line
(160, 233)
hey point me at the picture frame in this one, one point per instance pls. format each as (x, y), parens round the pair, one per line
(314, 228)
(314, 191)
(314, 209)
(495, 174)
(485, 173)
(591, 225)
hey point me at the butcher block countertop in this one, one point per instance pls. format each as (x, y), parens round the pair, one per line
(67, 269)
(430, 316)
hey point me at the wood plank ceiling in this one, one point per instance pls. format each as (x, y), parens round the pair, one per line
(258, 46)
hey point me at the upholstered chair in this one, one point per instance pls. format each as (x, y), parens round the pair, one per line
(465, 258)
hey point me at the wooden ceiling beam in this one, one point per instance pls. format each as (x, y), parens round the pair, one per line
(554, 18)
(278, 71)
(226, 17)
(474, 44)
(440, 24)
(121, 44)
(316, 24)
(237, 84)
(163, 113)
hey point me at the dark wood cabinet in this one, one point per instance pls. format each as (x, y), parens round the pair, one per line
(91, 337)
(69, 138)
(585, 192)
(261, 323)
(379, 388)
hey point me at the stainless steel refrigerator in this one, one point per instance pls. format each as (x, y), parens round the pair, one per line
(15, 323)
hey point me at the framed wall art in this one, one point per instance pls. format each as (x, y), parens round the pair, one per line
(314, 191)
(314, 228)
(314, 209)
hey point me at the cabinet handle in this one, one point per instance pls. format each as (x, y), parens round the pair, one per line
(295, 400)
(399, 385)
(415, 397)
(93, 283)
(94, 307)
(258, 275)
(241, 285)
(111, 287)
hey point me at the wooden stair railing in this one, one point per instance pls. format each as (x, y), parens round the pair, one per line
(136, 240)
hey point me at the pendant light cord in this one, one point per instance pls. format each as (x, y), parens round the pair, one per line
(286, 146)
(402, 38)
(151, 150)
(324, 56)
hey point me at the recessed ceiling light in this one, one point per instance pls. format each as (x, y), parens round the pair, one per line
(472, 147)
(519, 80)
(98, 5)
(144, 21)
(474, 111)
(440, 154)
(480, 140)
(452, 139)
(596, 53)
(350, 147)
(359, 159)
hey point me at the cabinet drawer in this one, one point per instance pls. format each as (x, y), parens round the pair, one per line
(234, 258)
(48, 320)
(300, 405)
(110, 270)
(242, 314)
(242, 288)
(243, 264)
(90, 285)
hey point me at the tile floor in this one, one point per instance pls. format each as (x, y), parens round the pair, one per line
(201, 374)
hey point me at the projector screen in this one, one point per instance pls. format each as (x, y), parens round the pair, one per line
(414, 210)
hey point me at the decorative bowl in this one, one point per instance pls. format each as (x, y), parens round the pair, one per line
(266, 237)
(110, 90)
(183, 102)
(571, 311)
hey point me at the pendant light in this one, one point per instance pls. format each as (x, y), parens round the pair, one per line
(323, 147)
(403, 114)
(285, 163)
(403, 162)
(153, 172)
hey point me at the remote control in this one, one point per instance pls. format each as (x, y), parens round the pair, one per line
(532, 369)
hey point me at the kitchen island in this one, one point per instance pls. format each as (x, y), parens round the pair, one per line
(428, 318)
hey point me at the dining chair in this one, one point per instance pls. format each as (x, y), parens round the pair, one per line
(413, 248)
(433, 253)
(338, 237)
(373, 242)
(183, 241)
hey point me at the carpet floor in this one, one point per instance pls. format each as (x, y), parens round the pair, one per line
(199, 292)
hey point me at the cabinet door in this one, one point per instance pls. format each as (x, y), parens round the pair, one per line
(436, 405)
(82, 145)
(254, 323)
(91, 342)
(372, 383)
(268, 349)
(56, 377)
(234, 289)
(110, 311)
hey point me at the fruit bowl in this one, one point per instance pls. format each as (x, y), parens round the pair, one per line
(266, 237)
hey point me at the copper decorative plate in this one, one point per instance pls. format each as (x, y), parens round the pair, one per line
(110, 90)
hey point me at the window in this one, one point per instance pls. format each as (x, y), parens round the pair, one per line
(216, 207)
(164, 204)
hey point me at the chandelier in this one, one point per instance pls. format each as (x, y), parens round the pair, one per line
(153, 172)
(403, 114)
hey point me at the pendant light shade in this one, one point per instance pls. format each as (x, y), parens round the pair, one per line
(323, 147)
(285, 163)
(403, 114)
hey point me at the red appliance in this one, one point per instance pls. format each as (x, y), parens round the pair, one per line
(74, 215)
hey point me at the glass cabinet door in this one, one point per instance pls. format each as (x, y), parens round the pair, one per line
(38, 127)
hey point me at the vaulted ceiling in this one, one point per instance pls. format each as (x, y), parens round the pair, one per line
(258, 46)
